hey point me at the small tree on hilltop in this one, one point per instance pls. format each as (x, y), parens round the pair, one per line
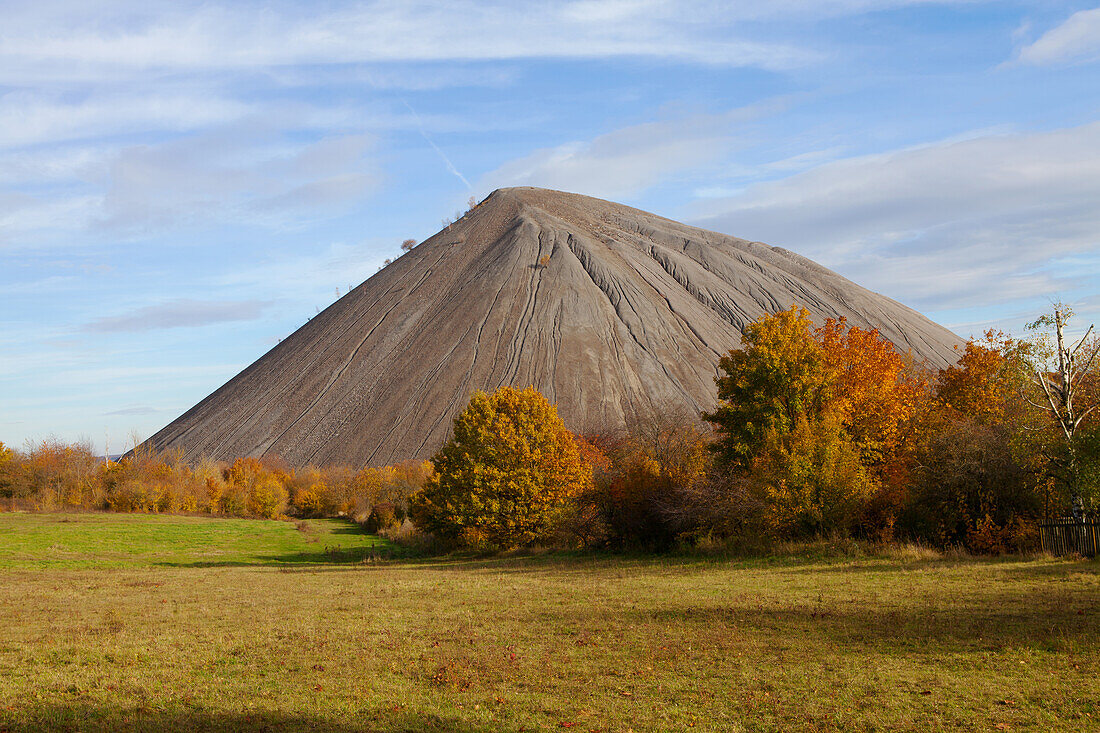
(507, 475)
(407, 245)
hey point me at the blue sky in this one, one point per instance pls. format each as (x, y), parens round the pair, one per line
(182, 184)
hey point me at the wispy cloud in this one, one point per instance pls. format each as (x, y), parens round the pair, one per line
(41, 286)
(943, 225)
(139, 410)
(207, 37)
(234, 174)
(179, 313)
(33, 117)
(248, 174)
(1075, 40)
(624, 162)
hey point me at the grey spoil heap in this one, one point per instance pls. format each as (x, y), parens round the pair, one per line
(609, 311)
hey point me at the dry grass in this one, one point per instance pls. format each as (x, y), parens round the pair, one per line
(908, 642)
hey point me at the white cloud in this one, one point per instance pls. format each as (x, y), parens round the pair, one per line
(624, 162)
(27, 118)
(246, 173)
(27, 221)
(51, 164)
(235, 175)
(178, 313)
(940, 226)
(198, 37)
(408, 77)
(42, 286)
(1075, 40)
(74, 40)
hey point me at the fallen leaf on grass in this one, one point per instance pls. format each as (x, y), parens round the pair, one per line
(1003, 726)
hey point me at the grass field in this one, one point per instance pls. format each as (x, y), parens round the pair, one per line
(114, 622)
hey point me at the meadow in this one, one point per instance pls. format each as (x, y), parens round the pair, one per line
(133, 622)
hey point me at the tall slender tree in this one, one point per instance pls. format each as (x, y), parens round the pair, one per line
(1059, 378)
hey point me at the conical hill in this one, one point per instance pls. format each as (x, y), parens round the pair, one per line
(608, 310)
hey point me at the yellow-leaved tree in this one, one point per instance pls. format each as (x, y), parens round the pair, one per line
(507, 475)
(7, 471)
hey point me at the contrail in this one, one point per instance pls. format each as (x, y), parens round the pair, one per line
(423, 133)
(442, 155)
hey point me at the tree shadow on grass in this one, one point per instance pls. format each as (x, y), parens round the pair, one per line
(1054, 571)
(1034, 618)
(348, 558)
(102, 719)
(347, 527)
(564, 563)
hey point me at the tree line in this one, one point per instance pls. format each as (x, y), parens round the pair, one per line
(53, 476)
(818, 431)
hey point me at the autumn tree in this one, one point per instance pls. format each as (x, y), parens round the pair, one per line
(650, 465)
(506, 476)
(812, 477)
(407, 245)
(1059, 378)
(987, 382)
(788, 369)
(817, 417)
(978, 455)
(8, 466)
(874, 391)
(780, 373)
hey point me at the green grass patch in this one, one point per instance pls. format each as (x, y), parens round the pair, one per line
(544, 643)
(101, 540)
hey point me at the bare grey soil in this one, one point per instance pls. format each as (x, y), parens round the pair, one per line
(627, 316)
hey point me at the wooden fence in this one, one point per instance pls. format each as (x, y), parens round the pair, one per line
(1067, 536)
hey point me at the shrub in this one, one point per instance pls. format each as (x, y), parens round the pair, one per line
(967, 471)
(640, 475)
(267, 498)
(407, 535)
(383, 515)
(308, 502)
(233, 501)
(506, 475)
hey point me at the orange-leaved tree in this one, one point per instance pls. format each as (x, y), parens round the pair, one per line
(979, 455)
(507, 475)
(987, 383)
(647, 468)
(874, 392)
